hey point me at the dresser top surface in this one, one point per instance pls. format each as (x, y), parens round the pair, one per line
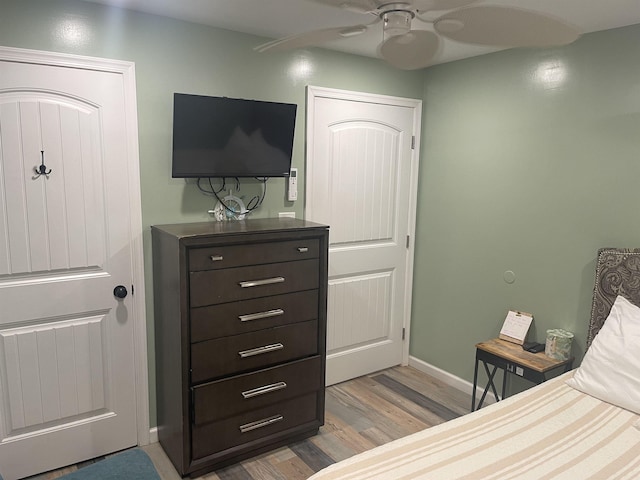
(256, 225)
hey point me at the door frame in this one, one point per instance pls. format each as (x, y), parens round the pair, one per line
(314, 92)
(127, 71)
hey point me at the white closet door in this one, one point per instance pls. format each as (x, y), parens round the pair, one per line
(362, 164)
(67, 366)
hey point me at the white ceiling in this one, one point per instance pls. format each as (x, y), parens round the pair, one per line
(279, 18)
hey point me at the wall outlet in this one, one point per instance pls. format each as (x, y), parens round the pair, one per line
(287, 214)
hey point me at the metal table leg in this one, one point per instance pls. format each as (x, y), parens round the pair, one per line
(490, 383)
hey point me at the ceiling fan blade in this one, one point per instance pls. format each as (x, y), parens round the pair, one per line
(314, 38)
(504, 27)
(359, 6)
(412, 50)
(428, 5)
(369, 6)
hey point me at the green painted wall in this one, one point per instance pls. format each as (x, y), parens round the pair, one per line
(516, 173)
(173, 56)
(531, 162)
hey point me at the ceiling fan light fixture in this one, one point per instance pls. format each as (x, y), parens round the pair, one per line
(397, 22)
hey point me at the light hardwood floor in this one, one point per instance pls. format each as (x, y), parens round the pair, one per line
(360, 414)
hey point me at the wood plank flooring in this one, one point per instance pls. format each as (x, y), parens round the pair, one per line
(360, 414)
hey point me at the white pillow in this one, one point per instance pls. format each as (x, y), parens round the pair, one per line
(610, 369)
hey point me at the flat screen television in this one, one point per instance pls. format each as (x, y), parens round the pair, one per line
(231, 137)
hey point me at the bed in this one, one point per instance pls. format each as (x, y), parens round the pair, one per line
(584, 424)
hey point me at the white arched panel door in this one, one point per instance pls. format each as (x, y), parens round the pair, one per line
(362, 164)
(68, 230)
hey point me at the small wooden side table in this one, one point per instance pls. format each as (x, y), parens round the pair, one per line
(511, 358)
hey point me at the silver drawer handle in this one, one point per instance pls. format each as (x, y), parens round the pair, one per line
(260, 350)
(247, 427)
(254, 392)
(216, 258)
(303, 249)
(258, 315)
(258, 283)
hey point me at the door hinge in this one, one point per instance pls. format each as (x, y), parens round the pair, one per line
(413, 142)
(408, 240)
(403, 333)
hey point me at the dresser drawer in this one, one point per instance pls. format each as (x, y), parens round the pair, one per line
(249, 315)
(229, 285)
(264, 348)
(230, 397)
(251, 426)
(212, 258)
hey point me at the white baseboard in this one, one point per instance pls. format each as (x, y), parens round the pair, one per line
(449, 379)
(153, 435)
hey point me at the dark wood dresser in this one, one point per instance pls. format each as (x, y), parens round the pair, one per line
(240, 331)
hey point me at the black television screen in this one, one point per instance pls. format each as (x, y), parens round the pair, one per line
(231, 137)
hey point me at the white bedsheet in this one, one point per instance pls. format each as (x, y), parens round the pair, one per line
(551, 431)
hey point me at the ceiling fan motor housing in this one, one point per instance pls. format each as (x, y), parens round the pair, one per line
(396, 19)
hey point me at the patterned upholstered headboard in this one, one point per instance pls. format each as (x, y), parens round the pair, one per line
(617, 273)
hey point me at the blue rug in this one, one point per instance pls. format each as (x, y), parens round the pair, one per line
(131, 464)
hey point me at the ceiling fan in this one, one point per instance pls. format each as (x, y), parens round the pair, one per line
(410, 48)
